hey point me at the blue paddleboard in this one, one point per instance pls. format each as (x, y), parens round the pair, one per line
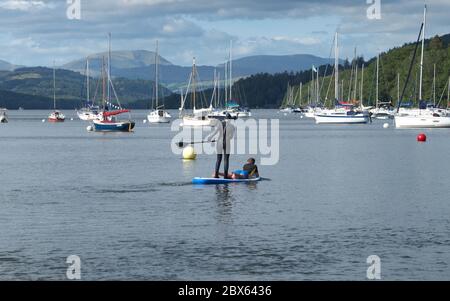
(206, 181)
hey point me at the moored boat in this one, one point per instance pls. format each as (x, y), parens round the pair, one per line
(342, 116)
(55, 116)
(110, 124)
(90, 112)
(198, 117)
(426, 116)
(158, 114)
(108, 121)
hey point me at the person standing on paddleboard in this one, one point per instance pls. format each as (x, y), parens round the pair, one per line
(224, 132)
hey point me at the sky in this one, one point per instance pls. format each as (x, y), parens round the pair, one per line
(38, 32)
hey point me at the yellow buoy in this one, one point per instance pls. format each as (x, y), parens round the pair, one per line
(189, 153)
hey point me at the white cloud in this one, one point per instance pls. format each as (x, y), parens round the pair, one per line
(22, 5)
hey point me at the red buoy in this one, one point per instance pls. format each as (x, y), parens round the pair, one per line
(422, 137)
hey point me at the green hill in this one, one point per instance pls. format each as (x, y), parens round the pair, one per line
(393, 62)
(29, 87)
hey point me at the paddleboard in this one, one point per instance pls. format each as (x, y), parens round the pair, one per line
(207, 181)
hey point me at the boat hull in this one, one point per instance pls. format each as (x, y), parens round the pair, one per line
(159, 117)
(421, 122)
(89, 116)
(122, 126)
(153, 119)
(56, 120)
(341, 119)
(189, 121)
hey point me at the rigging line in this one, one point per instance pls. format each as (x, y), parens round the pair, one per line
(329, 85)
(374, 79)
(96, 90)
(442, 95)
(410, 68)
(327, 65)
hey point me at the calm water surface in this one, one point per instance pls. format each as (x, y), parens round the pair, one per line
(124, 204)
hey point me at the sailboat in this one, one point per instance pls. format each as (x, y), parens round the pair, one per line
(232, 108)
(90, 111)
(108, 122)
(425, 116)
(199, 117)
(342, 113)
(55, 115)
(288, 106)
(158, 114)
(3, 115)
(382, 109)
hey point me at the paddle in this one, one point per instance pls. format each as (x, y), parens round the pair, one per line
(182, 144)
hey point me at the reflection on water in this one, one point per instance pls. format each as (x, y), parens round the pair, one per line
(224, 200)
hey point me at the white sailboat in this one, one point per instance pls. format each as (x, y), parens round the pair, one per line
(55, 115)
(424, 117)
(341, 113)
(232, 108)
(90, 112)
(198, 117)
(288, 107)
(158, 114)
(382, 109)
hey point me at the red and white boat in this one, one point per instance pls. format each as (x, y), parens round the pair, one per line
(56, 116)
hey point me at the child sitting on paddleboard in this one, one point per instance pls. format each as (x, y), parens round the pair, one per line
(249, 171)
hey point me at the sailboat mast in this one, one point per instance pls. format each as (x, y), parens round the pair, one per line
(218, 90)
(423, 47)
(103, 83)
(54, 86)
(378, 74)
(317, 88)
(88, 96)
(109, 68)
(434, 84)
(398, 87)
(356, 77)
(301, 87)
(309, 93)
(226, 84)
(193, 84)
(448, 92)
(157, 74)
(231, 69)
(336, 67)
(362, 83)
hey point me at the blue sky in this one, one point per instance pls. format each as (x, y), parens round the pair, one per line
(36, 32)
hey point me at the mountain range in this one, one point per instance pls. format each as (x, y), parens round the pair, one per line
(6, 66)
(140, 64)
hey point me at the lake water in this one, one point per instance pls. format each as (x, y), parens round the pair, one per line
(124, 204)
